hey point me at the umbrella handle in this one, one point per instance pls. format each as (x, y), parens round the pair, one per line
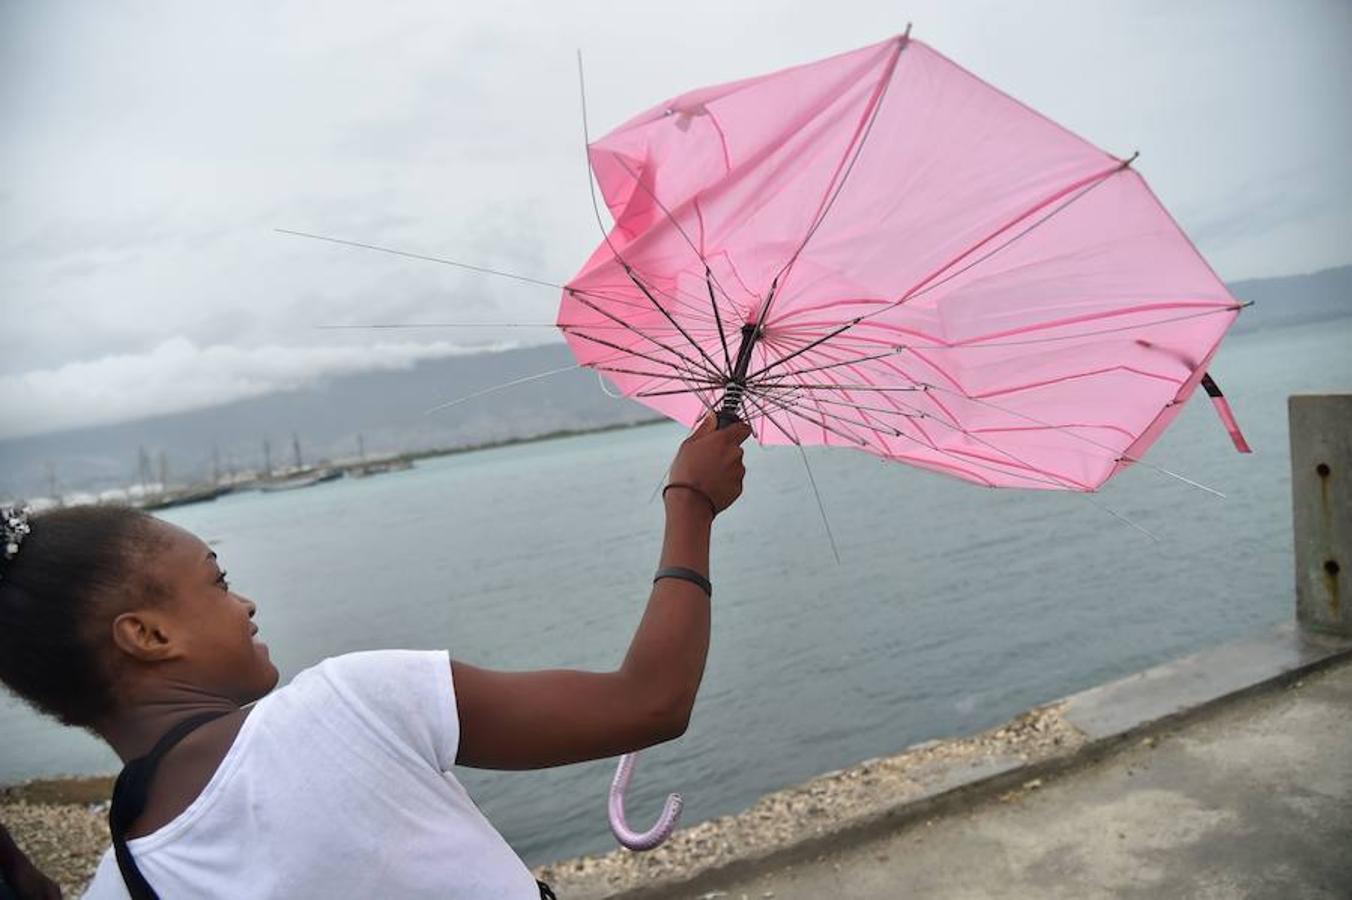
(639, 840)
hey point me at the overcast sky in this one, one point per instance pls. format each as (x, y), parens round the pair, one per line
(149, 150)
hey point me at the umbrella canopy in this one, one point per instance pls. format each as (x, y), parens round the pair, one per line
(879, 250)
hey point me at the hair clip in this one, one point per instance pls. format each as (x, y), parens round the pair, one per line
(14, 528)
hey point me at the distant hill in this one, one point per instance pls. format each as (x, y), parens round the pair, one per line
(1293, 299)
(387, 408)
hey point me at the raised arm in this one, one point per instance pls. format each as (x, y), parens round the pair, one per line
(530, 720)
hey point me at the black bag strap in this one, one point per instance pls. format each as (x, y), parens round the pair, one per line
(129, 800)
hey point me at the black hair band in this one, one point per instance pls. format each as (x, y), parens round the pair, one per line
(685, 574)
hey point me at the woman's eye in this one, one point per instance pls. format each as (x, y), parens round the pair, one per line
(221, 580)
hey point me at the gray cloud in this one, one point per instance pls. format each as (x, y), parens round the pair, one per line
(179, 375)
(150, 151)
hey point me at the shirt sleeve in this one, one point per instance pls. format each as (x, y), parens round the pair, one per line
(404, 698)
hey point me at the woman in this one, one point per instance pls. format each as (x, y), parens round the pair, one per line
(336, 785)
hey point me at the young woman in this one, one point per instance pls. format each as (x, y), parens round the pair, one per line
(338, 784)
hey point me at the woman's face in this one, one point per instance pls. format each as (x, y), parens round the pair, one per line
(209, 624)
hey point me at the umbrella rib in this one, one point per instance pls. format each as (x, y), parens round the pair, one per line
(897, 370)
(596, 208)
(1021, 469)
(838, 386)
(670, 392)
(1076, 191)
(834, 188)
(964, 345)
(962, 469)
(892, 352)
(1060, 379)
(690, 306)
(878, 432)
(617, 320)
(623, 371)
(1023, 387)
(627, 304)
(876, 409)
(422, 256)
(1083, 186)
(718, 320)
(794, 410)
(506, 384)
(629, 351)
(793, 439)
(1080, 490)
(918, 291)
(1118, 454)
(642, 287)
(811, 347)
(709, 278)
(997, 449)
(880, 428)
(765, 414)
(815, 398)
(1021, 462)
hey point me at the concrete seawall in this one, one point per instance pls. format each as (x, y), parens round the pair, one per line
(850, 808)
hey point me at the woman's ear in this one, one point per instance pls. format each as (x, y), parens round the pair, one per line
(145, 635)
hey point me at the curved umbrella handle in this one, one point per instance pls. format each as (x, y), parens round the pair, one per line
(639, 840)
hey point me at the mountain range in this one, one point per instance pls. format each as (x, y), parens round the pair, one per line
(385, 412)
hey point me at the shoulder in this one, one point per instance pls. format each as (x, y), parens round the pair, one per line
(374, 674)
(400, 697)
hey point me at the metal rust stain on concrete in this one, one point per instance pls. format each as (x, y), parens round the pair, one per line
(1331, 571)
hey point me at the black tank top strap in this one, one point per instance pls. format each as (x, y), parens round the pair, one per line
(129, 800)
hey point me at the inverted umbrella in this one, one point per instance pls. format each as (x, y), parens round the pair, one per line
(881, 251)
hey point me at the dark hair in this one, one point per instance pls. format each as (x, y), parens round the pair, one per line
(73, 565)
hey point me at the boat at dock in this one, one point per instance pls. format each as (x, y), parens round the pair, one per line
(301, 480)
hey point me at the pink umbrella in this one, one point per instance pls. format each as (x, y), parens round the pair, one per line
(881, 251)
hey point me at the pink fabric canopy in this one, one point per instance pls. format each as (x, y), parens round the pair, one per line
(932, 272)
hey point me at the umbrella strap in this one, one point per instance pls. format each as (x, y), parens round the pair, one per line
(1213, 390)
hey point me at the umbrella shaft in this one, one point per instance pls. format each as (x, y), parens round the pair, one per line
(729, 410)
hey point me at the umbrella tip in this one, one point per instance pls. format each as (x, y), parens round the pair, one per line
(907, 33)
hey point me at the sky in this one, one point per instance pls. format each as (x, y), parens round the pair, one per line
(151, 149)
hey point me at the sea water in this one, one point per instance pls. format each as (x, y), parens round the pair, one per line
(953, 607)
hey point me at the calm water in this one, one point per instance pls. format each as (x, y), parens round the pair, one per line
(954, 608)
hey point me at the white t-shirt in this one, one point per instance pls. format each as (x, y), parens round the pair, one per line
(336, 786)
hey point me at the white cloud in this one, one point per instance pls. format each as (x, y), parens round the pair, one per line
(178, 375)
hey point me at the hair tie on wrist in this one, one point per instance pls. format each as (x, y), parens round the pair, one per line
(685, 574)
(713, 507)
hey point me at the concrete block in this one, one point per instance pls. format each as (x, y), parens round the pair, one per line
(1321, 501)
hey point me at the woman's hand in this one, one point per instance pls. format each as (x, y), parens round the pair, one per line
(711, 460)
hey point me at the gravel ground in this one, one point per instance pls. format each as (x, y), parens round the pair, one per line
(64, 840)
(823, 804)
(62, 823)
